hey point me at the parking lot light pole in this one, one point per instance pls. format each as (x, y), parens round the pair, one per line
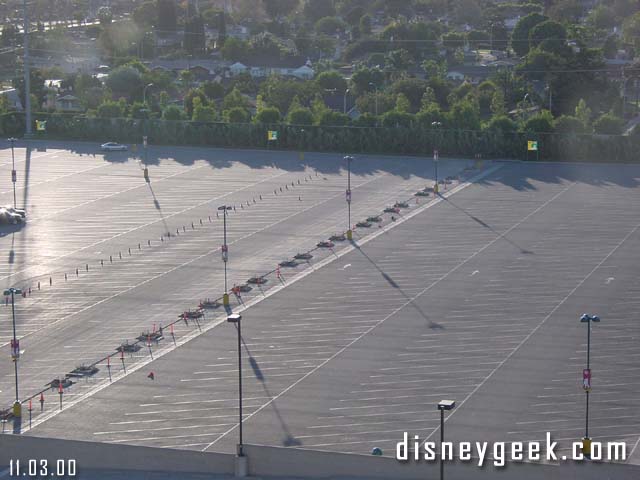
(349, 159)
(442, 406)
(13, 170)
(225, 251)
(586, 441)
(241, 470)
(436, 154)
(15, 348)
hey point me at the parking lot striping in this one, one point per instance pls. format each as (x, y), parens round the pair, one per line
(578, 418)
(160, 429)
(162, 351)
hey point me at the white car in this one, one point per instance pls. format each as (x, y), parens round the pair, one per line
(113, 147)
(9, 218)
(18, 211)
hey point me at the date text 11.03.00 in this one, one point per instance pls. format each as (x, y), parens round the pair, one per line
(33, 468)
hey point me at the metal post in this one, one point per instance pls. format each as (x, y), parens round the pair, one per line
(586, 420)
(27, 78)
(240, 452)
(224, 222)
(13, 170)
(349, 189)
(15, 361)
(441, 443)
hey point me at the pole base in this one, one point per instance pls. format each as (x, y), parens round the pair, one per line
(17, 409)
(241, 466)
(435, 189)
(349, 235)
(586, 446)
(225, 299)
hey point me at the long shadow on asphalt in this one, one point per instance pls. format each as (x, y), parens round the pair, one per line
(395, 285)
(524, 251)
(289, 440)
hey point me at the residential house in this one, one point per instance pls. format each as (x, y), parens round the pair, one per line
(297, 67)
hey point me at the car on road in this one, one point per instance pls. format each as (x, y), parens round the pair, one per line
(209, 304)
(113, 147)
(10, 218)
(288, 263)
(303, 256)
(325, 244)
(83, 371)
(401, 205)
(195, 314)
(338, 237)
(374, 219)
(391, 210)
(18, 211)
(257, 280)
(363, 224)
(128, 347)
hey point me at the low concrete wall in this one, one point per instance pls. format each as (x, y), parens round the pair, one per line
(107, 456)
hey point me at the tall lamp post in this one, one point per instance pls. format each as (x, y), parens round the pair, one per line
(225, 251)
(344, 103)
(144, 93)
(349, 159)
(442, 406)
(436, 156)
(241, 466)
(13, 170)
(15, 348)
(27, 75)
(586, 381)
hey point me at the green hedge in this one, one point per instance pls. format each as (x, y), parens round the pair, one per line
(412, 141)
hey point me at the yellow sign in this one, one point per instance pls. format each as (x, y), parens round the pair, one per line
(272, 135)
(532, 145)
(41, 125)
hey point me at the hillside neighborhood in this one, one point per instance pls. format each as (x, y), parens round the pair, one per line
(565, 66)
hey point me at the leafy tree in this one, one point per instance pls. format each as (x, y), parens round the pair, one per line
(279, 92)
(498, 106)
(139, 110)
(189, 99)
(125, 80)
(608, 124)
(399, 60)
(610, 47)
(212, 89)
(9, 35)
(365, 24)
(435, 69)
(331, 80)
(172, 112)
(167, 16)
(477, 38)
(402, 103)
(354, 15)
(236, 115)
(300, 116)
(502, 124)
(314, 10)
(329, 25)
(546, 30)
(376, 103)
(202, 112)
(468, 11)
(194, 37)
(235, 99)
(318, 108)
(464, 115)
(146, 14)
(365, 120)
(37, 86)
(602, 17)
(429, 115)
(110, 109)
(631, 30)
(413, 89)
(520, 34)
(398, 119)
(583, 113)
(569, 124)
(567, 11)
(366, 79)
(539, 123)
(105, 16)
(268, 115)
(280, 8)
(332, 118)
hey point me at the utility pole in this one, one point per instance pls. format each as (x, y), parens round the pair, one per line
(27, 78)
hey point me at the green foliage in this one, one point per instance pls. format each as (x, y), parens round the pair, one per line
(314, 10)
(332, 118)
(539, 123)
(366, 120)
(189, 100)
(235, 50)
(464, 115)
(235, 99)
(279, 92)
(520, 34)
(146, 14)
(366, 80)
(546, 30)
(300, 116)
(602, 17)
(583, 113)
(172, 112)
(194, 37)
(139, 110)
(167, 16)
(608, 124)
(376, 103)
(398, 119)
(125, 80)
(280, 8)
(331, 80)
(502, 124)
(413, 89)
(329, 25)
(202, 112)
(268, 115)
(567, 11)
(110, 109)
(631, 30)
(402, 103)
(236, 115)
(569, 124)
